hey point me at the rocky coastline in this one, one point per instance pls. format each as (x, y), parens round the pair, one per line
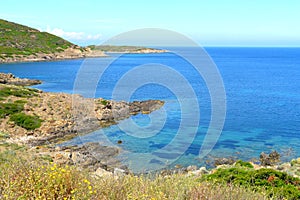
(10, 79)
(73, 52)
(64, 116)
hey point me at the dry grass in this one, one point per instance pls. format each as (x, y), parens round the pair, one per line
(25, 177)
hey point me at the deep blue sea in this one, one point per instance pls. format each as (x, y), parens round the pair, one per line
(262, 88)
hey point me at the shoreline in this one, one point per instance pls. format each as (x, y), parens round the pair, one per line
(63, 117)
(78, 55)
(58, 125)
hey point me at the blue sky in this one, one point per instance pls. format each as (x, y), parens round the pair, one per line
(209, 23)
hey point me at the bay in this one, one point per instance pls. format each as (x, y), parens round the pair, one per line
(262, 88)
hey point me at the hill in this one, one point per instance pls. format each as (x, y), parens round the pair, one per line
(22, 43)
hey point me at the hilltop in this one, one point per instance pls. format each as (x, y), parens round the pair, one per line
(21, 43)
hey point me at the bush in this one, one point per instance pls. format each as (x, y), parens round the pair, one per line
(28, 122)
(276, 184)
(10, 108)
(104, 102)
(18, 92)
(243, 164)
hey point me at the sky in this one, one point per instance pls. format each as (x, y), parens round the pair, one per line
(207, 22)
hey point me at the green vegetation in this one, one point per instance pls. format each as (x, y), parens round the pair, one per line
(276, 185)
(17, 92)
(10, 108)
(241, 163)
(28, 122)
(111, 48)
(14, 109)
(104, 102)
(17, 39)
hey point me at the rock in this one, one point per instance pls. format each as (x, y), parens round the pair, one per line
(191, 168)
(224, 161)
(199, 172)
(119, 172)
(284, 166)
(178, 166)
(102, 173)
(10, 79)
(295, 161)
(269, 160)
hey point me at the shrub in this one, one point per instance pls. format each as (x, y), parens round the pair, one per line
(276, 184)
(243, 164)
(104, 102)
(28, 122)
(10, 108)
(18, 92)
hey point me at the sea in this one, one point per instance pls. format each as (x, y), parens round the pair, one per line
(239, 102)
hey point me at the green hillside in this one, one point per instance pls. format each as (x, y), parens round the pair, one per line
(17, 39)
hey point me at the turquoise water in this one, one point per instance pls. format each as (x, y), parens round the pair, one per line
(262, 93)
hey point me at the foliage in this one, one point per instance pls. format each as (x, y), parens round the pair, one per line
(10, 108)
(28, 122)
(17, 39)
(14, 109)
(104, 102)
(17, 92)
(276, 184)
(243, 164)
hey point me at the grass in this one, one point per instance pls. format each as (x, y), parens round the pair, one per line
(17, 39)
(104, 102)
(17, 92)
(10, 108)
(25, 176)
(14, 109)
(28, 122)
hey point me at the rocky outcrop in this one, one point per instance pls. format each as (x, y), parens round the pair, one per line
(64, 115)
(269, 160)
(115, 111)
(90, 155)
(224, 161)
(10, 79)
